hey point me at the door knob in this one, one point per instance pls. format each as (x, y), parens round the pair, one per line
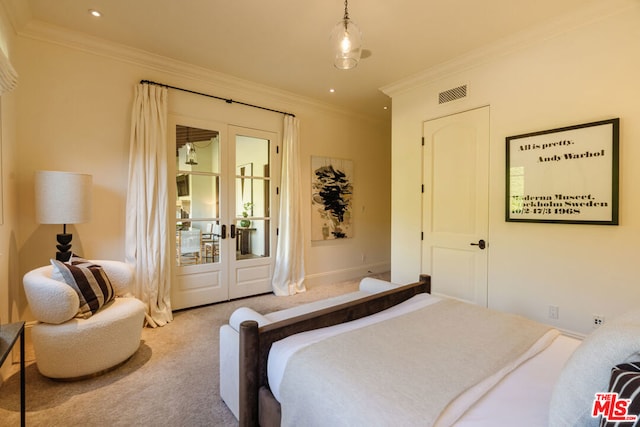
(481, 244)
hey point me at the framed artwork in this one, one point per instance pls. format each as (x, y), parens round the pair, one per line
(244, 187)
(564, 175)
(332, 191)
(182, 183)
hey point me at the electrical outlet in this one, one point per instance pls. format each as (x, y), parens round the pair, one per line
(597, 320)
(554, 312)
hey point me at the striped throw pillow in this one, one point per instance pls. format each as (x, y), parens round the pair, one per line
(90, 282)
(625, 380)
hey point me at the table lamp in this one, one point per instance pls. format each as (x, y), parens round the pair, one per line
(63, 198)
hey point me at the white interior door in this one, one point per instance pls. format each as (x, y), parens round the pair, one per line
(223, 233)
(455, 204)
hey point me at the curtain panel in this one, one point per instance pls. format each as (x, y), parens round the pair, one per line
(288, 275)
(147, 241)
(8, 75)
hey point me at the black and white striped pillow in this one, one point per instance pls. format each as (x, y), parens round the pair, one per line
(89, 281)
(625, 380)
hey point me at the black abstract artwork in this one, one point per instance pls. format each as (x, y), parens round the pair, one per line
(332, 192)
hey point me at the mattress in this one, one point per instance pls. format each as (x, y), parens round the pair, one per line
(523, 395)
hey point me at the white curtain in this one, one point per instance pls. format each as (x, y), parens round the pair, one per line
(147, 244)
(288, 277)
(8, 75)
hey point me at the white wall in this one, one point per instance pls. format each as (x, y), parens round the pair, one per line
(586, 71)
(73, 113)
(10, 298)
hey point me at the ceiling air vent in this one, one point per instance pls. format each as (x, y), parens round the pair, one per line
(452, 94)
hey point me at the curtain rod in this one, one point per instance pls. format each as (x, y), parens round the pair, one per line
(227, 100)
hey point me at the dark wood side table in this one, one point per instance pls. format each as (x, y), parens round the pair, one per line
(243, 242)
(9, 334)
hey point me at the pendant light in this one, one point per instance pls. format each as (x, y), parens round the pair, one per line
(346, 42)
(190, 156)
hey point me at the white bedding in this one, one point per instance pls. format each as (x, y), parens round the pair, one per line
(525, 393)
(506, 402)
(283, 349)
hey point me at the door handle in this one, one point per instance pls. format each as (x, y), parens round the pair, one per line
(233, 231)
(481, 244)
(223, 232)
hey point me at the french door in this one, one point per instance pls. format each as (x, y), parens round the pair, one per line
(223, 222)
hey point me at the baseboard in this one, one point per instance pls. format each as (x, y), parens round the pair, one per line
(572, 334)
(343, 275)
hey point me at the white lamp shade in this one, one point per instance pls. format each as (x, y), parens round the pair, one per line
(63, 197)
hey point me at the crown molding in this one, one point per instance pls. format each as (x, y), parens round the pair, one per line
(48, 33)
(594, 12)
(17, 12)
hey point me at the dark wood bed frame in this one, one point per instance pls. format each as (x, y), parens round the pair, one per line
(258, 407)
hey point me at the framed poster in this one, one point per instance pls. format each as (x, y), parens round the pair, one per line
(332, 191)
(565, 175)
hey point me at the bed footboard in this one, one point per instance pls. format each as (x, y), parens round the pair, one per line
(255, 344)
(269, 408)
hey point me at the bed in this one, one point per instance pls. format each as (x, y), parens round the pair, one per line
(293, 372)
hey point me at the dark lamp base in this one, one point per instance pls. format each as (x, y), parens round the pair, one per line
(64, 247)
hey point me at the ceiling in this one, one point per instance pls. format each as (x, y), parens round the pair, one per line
(284, 43)
(186, 134)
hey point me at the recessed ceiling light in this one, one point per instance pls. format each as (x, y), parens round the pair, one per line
(95, 13)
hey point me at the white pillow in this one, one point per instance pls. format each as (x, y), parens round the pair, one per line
(371, 285)
(588, 370)
(245, 313)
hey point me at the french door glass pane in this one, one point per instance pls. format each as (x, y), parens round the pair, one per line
(253, 241)
(252, 197)
(197, 150)
(197, 242)
(198, 196)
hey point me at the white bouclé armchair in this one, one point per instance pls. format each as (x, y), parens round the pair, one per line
(69, 347)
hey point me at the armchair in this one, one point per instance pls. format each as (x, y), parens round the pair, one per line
(69, 347)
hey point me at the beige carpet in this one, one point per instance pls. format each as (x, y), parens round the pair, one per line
(171, 381)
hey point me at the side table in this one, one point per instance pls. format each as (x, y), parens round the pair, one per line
(9, 334)
(243, 242)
